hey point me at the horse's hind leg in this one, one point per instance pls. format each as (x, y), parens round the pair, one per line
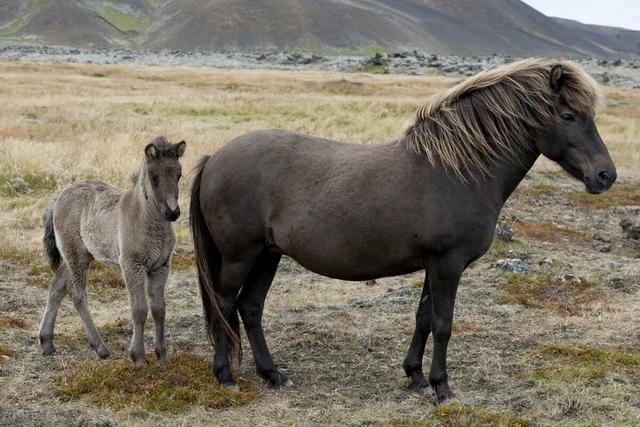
(231, 278)
(77, 289)
(156, 281)
(413, 362)
(57, 292)
(251, 305)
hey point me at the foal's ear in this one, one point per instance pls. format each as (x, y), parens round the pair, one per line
(151, 151)
(557, 77)
(180, 147)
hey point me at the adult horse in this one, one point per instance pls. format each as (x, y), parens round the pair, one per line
(428, 201)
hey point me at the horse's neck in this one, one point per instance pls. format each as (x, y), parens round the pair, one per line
(507, 175)
(142, 202)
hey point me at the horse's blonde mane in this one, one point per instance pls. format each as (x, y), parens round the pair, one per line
(495, 113)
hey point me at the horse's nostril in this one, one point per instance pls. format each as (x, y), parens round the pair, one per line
(604, 177)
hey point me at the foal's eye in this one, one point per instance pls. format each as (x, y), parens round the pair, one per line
(568, 117)
(155, 179)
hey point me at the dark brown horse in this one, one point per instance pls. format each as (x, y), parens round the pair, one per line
(429, 201)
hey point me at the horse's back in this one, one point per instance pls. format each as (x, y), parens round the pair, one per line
(85, 218)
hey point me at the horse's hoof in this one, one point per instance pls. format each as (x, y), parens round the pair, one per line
(418, 383)
(137, 360)
(442, 393)
(288, 384)
(232, 387)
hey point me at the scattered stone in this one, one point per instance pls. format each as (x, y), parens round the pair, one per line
(546, 261)
(19, 185)
(601, 244)
(515, 265)
(504, 233)
(610, 264)
(630, 229)
(370, 283)
(567, 278)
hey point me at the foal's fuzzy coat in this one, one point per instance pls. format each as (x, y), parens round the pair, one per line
(133, 229)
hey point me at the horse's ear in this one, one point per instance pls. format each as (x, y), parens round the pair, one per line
(151, 151)
(180, 147)
(557, 77)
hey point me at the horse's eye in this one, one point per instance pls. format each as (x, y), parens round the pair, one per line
(154, 179)
(568, 117)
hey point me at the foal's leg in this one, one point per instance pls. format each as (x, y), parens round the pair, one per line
(156, 281)
(251, 305)
(57, 292)
(77, 289)
(413, 362)
(444, 275)
(134, 277)
(231, 278)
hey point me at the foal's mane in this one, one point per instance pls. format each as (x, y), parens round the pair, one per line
(495, 113)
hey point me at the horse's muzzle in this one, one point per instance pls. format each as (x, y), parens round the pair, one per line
(172, 214)
(601, 182)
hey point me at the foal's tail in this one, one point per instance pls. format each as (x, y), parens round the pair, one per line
(209, 261)
(49, 237)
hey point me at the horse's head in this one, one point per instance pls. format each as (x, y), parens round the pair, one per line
(572, 140)
(163, 171)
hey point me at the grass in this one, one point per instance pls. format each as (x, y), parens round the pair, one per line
(537, 190)
(619, 195)
(6, 353)
(31, 262)
(187, 382)
(581, 354)
(456, 414)
(564, 298)
(547, 232)
(28, 184)
(12, 321)
(125, 22)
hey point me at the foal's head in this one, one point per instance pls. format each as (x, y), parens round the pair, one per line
(163, 171)
(572, 139)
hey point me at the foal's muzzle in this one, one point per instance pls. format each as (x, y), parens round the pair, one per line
(172, 214)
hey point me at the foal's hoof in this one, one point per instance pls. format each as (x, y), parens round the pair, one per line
(103, 352)
(48, 349)
(138, 360)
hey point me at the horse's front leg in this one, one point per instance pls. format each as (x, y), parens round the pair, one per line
(444, 275)
(134, 277)
(413, 362)
(156, 281)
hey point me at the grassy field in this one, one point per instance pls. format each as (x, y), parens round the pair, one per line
(536, 349)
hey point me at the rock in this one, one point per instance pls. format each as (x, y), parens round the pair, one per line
(630, 229)
(601, 244)
(515, 265)
(19, 185)
(567, 278)
(546, 261)
(610, 264)
(504, 232)
(370, 283)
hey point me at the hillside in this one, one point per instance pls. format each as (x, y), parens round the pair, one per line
(461, 27)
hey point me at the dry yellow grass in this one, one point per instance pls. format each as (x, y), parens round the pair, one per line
(60, 123)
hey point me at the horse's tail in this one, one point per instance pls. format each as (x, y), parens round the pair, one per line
(209, 260)
(49, 237)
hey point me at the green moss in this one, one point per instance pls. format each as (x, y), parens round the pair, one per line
(124, 22)
(187, 382)
(586, 355)
(30, 184)
(546, 292)
(6, 353)
(459, 414)
(619, 195)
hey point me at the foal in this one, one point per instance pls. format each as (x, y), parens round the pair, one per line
(133, 229)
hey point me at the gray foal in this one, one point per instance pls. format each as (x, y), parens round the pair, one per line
(133, 229)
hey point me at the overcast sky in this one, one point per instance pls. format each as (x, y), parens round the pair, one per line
(617, 13)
